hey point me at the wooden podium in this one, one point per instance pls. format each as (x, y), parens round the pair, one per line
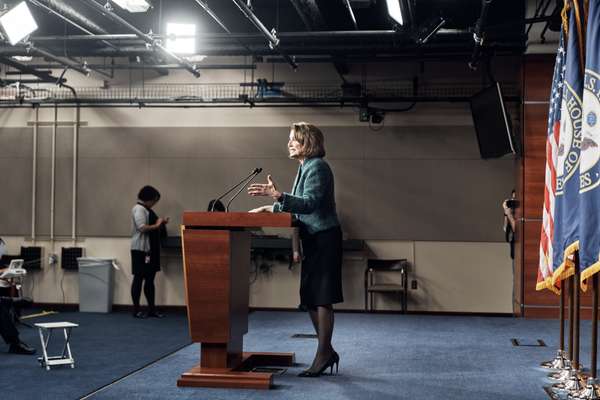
(216, 260)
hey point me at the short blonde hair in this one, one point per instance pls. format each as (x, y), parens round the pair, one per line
(311, 138)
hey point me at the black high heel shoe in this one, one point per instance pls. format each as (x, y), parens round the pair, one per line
(333, 360)
(336, 361)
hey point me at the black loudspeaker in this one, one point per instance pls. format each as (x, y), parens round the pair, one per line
(69, 256)
(492, 124)
(32, 256)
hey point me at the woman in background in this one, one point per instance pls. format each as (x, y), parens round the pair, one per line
(313, 203)
(145, 250)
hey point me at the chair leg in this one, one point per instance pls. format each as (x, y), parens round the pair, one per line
(44, 358)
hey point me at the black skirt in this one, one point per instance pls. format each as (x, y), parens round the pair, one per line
(138, 263)
(321, 276)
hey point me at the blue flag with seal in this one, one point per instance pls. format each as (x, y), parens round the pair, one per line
(566, 213)
(589, 170)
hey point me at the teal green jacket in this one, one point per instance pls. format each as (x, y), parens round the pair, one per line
(313, 197)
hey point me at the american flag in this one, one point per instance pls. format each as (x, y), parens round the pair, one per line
(545, 270)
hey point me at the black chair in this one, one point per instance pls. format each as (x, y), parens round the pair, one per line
(371, 286)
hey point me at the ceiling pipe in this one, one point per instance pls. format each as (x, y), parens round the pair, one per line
(352, 17)
(373, 50)
(150, 66)
(214, 16)
(270, 35)
(479, 34)
(71, 16)
(151, 41)
(240, 103)
(309, 13)
(25, 69)
(68, 14)
(80, 21)
(289, 36)
(81, 68)
(386, 48)
(26, 81)
(119, 36)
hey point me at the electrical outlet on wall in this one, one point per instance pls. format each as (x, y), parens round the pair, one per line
(413, 284)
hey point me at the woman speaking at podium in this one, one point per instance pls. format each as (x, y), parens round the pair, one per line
(312, 201)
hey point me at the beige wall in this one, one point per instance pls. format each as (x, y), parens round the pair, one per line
(451, 277)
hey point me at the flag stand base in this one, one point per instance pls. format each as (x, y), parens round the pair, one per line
(590, 392)
(563, 374)
(557, 363)
(572, 386)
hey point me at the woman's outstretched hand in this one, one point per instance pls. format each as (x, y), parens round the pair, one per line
(262, 209)
(264, 189)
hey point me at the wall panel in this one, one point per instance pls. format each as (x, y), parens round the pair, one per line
(420, 183)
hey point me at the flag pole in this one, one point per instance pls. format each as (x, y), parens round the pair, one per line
(593, 363)
(576, 319)
(565, 371)
(573, 385)
(559, 361)
(571, 314)
(591, 389)
(561, 316)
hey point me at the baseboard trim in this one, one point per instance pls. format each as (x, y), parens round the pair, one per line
(115, 307)
(183, 309)
(395, 312)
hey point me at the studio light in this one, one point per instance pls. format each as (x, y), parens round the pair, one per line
(133, 6)
(181, 38)
(18, 23)
(395, 11)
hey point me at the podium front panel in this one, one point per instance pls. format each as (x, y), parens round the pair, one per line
(216, 267)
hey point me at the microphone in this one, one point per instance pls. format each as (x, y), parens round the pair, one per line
(213, 203)
(254, 175)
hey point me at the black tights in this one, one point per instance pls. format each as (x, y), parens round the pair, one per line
(8, 330)
(322, 320)
(136, 290)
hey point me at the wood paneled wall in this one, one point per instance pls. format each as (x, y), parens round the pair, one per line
(537, 81)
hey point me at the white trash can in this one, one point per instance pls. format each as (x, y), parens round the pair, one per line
(95, 284)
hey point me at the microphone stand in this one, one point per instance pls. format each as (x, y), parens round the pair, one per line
(243, 181)
(254, 175)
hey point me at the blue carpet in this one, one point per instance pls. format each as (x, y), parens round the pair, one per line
(106, 347)
(382, 357)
